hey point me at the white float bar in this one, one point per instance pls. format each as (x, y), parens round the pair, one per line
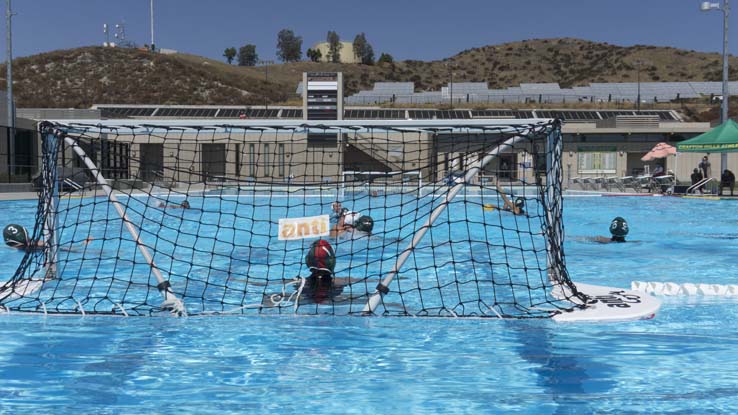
(685, 289)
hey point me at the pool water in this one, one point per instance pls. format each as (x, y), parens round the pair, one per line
(222, 256)
(682, 361)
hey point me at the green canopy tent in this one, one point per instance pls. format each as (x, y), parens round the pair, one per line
(721, 139)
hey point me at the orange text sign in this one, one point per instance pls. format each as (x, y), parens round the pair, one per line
(301, 228)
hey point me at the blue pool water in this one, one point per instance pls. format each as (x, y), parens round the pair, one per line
(682, 361)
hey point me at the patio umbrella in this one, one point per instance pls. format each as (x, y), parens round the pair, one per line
(660, 151)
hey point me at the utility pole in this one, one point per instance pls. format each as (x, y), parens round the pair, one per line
(638, 98)
(266, 78)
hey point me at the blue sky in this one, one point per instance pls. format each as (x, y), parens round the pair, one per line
(407, 29)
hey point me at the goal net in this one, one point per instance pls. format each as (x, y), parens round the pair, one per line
(390, 217)
(375, 183)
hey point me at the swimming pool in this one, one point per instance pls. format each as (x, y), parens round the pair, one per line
(681, 361)
(223, 256)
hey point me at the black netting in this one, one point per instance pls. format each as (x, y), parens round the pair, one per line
(439, 220)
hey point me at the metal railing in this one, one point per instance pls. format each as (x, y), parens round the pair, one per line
(699, 185)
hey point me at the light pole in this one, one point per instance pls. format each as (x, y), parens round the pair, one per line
(450, 84)
(451, 89)
(9, 60)
(151, 9)
(707, 6)
(266, 79)
(638, 79)
(11, 109)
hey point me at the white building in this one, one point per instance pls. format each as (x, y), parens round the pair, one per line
(346, 53)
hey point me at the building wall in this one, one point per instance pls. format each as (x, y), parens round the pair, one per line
(346, 52)
(274, 157)
(629, 147)
(321, 163)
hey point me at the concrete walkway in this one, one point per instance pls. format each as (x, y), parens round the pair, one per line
(18, 195)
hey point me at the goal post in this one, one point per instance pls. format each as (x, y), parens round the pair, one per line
(198, 217)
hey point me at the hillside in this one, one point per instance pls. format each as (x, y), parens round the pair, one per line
(80, 77)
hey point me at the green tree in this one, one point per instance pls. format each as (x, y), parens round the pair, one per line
(334, 47)
(289, 46)
(363, 50)
(314, 55)
(229, 54)
(247, 55)
(385, 58)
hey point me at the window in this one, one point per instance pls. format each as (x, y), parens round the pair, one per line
(594, 162)
(238, 160)
(252, 160)
(114, 159)
(282, 160)
(267, 161)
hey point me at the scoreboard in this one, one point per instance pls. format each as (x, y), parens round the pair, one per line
(322, 95)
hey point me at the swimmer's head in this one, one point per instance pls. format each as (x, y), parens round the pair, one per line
(619, 229)
(364, 224)
(16, 236)
(321, 257)
(185, 205)
(520, 203)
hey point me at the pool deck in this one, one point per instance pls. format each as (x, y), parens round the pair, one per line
(575, 193)
(18, 195)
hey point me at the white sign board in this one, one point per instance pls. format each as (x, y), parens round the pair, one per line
(291, 229)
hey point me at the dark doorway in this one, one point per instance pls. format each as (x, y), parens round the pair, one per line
(213, 159)
(152, 162)
(507, 166)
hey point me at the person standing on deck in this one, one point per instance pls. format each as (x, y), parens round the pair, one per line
(705, 167)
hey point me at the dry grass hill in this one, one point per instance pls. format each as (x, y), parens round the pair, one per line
(80, 77)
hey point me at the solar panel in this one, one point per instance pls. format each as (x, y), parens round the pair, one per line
(397, 88)
(229, 112)
(663, 115)
(291, 113)
(421, 114)
(493, 113)
(569, 115)
(452, 114)
(468, 87)
(606, 114)
(373, 114)
(114, 112)
(546, 88)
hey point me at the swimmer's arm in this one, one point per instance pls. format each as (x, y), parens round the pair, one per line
(69, 248)
(507, 204)
(339, 228)
(598, 239)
